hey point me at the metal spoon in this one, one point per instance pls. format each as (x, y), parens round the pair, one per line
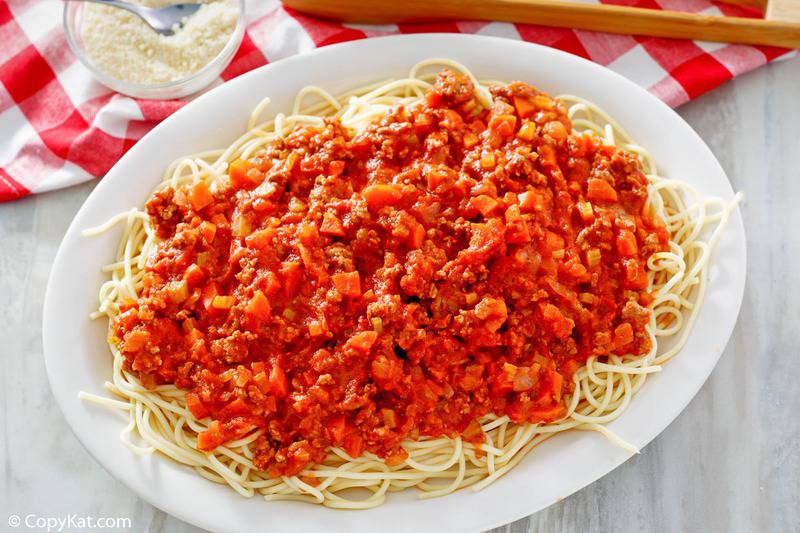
(163, 20)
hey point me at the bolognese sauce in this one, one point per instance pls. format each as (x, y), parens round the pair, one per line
(361, 289)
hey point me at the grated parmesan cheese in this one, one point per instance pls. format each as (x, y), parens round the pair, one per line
(120, 44)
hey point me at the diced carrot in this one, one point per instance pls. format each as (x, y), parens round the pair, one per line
(151, 279)
(423, 123)
(416, 236)
(510, 198)
(208, 230)
(237, 253)
(544, 102)
(316, 328)
(243, 174)
(260, 239)
(556, 383)
(441, 178)
(558, 324)
(362, 340)
(451, 121)
(530, 201)
(623, 335)
(291, 272)
(335, 168)
(555, 130)
(347, 283)
(503, 124)
(635, 275)
(473, 431)
(196, 406)
(433, 98)
(194, 335)
(381, 194)
(503, 382)
(306, 256)
(626, 244)
(469, 108)
(470, 140)
(477, 125)
(525, 107)
(223, 302)
(219, 220)
(278, 384)
(258, 308)
(546, 414)
(397, 458)
(527, 131)
(211, 438)
(462, 186)
(200, 196)
(570, 367)
(547, 155)
(237, 428)
(135, 340)
(354, 443)
(574, 270)
(646, 299)
(258, 366)
(434, 388)
(261, 381)
(193, 275)
(488, 160)
(601, 190)
(307, 233)
(516, 228)
(311, 165)
(574, 188)
(237, 407)
(336, 428)
(331, 226)
(271, 283)
(553, 241)
(210, 292)
(484, 204)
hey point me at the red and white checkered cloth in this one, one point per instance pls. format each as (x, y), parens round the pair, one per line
(59, 127)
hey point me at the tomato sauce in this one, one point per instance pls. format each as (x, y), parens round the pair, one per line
(359, 290)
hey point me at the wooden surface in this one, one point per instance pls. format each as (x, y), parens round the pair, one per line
(568, 14)
(784, 10)
(729, 463)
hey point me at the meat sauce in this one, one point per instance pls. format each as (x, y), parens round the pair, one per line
(358, 290)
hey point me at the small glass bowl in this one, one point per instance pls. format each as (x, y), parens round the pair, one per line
(158, 91)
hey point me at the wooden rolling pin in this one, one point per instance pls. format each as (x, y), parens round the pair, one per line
(781, 27)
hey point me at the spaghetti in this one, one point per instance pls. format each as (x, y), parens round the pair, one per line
(602, 387)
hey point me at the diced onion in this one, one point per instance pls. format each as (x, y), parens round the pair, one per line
(295, 205)
(223, 302)
(178, 291)
(593, 257)
(241, 226)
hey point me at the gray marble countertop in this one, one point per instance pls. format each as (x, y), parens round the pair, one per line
(730, 462)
